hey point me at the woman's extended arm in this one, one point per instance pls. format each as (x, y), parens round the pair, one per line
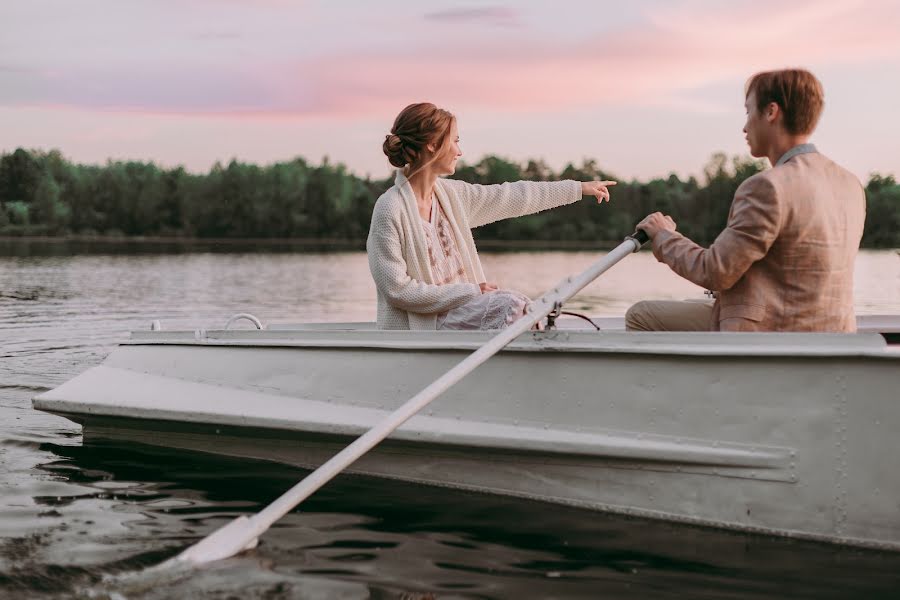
(488, 203)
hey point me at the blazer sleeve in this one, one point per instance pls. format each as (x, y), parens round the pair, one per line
(754, 223)
(488, 203)
(389, 271)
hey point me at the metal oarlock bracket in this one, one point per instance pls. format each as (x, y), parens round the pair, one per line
(553, 315)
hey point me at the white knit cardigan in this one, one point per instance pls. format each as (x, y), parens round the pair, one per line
(398, 257)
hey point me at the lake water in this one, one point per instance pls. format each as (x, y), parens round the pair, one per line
(71, 513)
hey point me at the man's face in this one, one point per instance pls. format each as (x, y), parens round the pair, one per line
(755, 128)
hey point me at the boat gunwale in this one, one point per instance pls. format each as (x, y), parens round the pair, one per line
(817, 345)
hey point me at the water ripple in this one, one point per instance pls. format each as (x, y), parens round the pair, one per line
(87, 519)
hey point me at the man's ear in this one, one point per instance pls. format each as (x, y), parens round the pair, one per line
(772, 112)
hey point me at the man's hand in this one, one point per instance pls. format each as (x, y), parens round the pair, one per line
(488, 287)
(656, 222)
(598, 189)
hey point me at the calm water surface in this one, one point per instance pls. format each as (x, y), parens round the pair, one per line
(72, 513)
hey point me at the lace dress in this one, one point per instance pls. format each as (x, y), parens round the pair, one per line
(493, 310)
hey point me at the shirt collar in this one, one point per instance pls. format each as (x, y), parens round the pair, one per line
(799, 149)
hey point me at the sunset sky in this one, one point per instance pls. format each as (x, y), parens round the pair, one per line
(646, 87)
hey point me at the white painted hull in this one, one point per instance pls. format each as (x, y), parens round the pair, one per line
(792, 434)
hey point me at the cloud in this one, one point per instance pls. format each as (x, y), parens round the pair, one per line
(492, 15)
(676, 49)
(657, 62)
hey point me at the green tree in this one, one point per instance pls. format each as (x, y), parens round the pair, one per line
(42, 192)
(882, 229)
(20, 173)
(46, 206)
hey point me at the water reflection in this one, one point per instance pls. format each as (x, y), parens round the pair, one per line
(385, 539)
(65, 247)
(72, 513)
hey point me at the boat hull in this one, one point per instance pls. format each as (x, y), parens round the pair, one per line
(789, 434)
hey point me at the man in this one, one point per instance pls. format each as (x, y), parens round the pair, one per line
(785, 259)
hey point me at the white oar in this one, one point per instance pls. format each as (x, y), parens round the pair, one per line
(243, 532)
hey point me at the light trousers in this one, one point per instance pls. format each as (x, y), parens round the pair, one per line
(670, 315)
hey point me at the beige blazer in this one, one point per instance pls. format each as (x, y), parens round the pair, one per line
(785, 259)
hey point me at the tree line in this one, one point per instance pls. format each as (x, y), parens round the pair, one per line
(42, 193)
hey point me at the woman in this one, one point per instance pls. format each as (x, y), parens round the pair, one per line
(421, 252)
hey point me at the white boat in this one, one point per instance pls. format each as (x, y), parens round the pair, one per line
(790, 434)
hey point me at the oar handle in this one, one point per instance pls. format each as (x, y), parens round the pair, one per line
(640, 236)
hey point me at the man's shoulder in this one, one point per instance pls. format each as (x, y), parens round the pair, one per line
(838, 172)
(815, 169)
(764, 182)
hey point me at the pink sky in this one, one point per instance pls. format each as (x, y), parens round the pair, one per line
(646, 89)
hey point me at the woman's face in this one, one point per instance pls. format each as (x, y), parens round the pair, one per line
(445, 164)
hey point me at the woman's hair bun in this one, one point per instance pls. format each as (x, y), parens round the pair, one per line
(417, 126)
(393, 149)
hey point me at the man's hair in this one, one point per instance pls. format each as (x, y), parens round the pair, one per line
(796, 91)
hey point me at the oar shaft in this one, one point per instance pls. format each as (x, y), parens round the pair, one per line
(244, 531)
(540, 309)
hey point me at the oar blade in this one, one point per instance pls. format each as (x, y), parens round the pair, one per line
(233, 538)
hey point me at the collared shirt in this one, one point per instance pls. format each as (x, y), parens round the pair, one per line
(799, 149)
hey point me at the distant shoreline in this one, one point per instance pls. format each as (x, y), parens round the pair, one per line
(159, 239)
(306, 243)
(300, 243)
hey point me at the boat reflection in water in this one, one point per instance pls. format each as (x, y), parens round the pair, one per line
(361, 537)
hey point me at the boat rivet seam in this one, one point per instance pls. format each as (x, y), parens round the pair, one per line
(841, 485)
